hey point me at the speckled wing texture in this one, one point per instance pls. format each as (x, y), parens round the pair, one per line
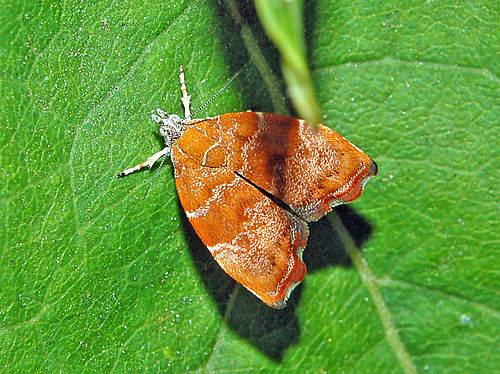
(230, 170)
(309, 170)
(254, 240)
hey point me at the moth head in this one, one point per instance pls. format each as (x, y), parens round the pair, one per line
(171, 126)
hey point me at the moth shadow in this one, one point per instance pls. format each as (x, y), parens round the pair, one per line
(269, 330)
(325, 248)
(273, 331)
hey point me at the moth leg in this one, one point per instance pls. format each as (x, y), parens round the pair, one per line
(149, 162)
(185, 97)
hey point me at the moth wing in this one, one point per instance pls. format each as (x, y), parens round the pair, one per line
(310, 170)
(255, 241)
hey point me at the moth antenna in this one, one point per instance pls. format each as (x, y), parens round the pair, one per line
(154, 177)
(216, 94)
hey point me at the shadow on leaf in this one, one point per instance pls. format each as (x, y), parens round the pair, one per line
(270, 330)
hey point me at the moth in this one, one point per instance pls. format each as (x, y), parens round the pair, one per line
(249, 182)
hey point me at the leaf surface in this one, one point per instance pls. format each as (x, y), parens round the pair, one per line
(93, 278)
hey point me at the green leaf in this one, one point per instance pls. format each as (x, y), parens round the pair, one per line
(93, 278)
(283, 23)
